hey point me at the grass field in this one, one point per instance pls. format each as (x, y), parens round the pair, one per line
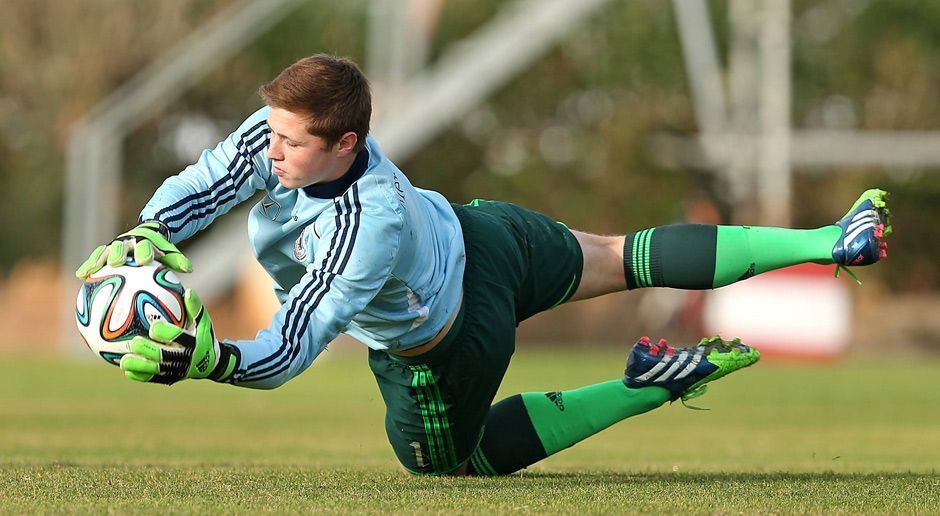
(850, 437)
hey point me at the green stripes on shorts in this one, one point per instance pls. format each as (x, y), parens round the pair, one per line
(436, 426)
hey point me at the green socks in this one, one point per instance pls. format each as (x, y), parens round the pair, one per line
(745, 251)
(695, 256)
(524, 429)
(562, 419)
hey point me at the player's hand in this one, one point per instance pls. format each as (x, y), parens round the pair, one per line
(148, 242)
(172, 353)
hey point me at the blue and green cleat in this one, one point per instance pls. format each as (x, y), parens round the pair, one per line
(864, 229)
(685, 371)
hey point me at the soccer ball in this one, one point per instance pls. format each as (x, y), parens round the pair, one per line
(117, 304)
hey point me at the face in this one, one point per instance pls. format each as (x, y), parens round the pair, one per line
(302, 159)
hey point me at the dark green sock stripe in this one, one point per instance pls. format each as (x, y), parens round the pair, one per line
(648, 276)
(486, 464)
(628, 246)
(509, 441)
(678, 256)
(475, 465)
(641, 259)
(481, 464)
(634, 266)
(642, 262)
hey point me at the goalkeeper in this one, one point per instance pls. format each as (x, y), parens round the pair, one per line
(434, 289)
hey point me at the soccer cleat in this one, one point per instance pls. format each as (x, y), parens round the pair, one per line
(864, 229)
(685, 371)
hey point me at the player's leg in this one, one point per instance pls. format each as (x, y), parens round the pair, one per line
(523, 429)
(603, 265)
(693, 256)
(431, 426)
(437, 402)
(526, 428)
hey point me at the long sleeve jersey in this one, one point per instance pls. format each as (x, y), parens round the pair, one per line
(368, 255)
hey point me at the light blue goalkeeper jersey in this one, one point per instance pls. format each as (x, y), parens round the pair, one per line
(368, 255)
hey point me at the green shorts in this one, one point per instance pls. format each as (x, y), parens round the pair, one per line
(519, 263)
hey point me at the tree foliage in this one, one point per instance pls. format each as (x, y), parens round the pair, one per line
(570, 136)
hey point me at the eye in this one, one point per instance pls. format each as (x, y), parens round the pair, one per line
(292, 144)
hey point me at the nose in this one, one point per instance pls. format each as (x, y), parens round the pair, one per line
(274, 151)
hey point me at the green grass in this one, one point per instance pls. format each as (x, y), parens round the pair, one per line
(850, 437)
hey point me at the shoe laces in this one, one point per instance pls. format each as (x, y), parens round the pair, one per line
(691, 394)
(716, 343)
(707, 345)
(840, 268)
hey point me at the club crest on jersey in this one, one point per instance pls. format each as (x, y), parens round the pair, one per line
(270, 208)
(300, 245)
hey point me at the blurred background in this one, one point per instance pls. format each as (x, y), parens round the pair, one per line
(610, 115)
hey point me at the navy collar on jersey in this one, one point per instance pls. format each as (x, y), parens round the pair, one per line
(337, 187)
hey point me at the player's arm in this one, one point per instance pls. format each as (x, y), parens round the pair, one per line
(358, 250)
(189, 201)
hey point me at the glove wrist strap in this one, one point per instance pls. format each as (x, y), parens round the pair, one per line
(229, 358)
(157, 226)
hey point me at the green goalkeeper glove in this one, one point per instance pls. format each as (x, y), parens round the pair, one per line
(172, 353)
(148, 241)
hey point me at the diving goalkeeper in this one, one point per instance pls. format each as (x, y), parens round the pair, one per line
(435, 290)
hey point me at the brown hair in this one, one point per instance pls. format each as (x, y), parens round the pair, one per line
(331, 92)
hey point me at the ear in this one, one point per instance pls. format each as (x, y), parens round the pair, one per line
(347, 144)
